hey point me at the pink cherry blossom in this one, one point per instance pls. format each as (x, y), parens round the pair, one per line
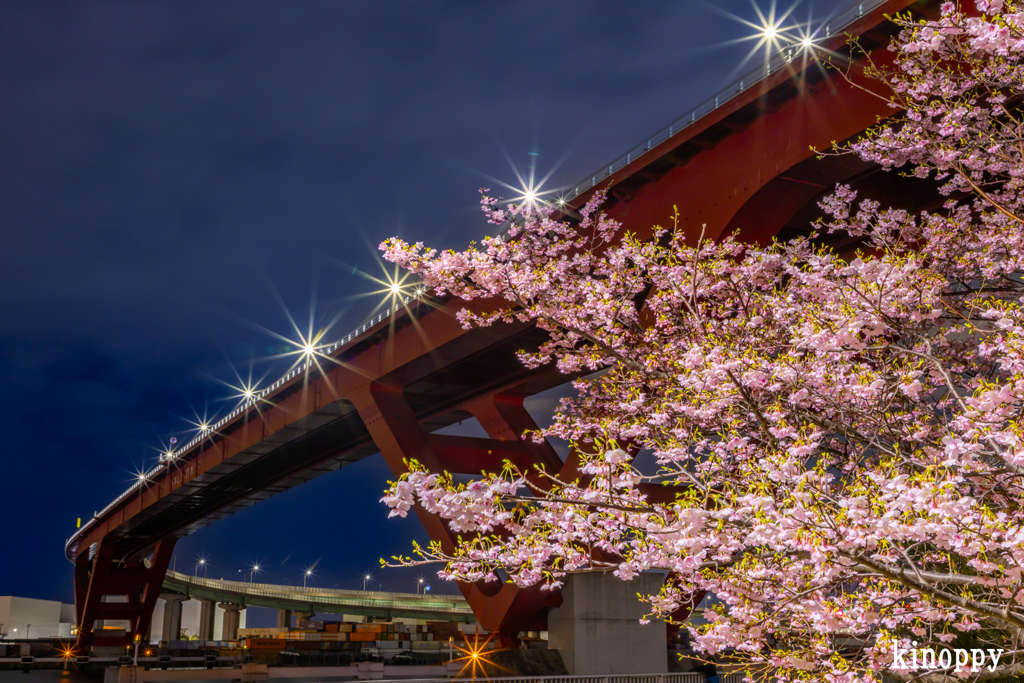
(838, 436)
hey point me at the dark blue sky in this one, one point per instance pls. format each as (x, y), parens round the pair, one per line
(175, 175)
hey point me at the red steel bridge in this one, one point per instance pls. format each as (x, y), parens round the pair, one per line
(742, 161)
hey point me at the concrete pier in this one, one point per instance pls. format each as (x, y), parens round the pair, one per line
(231, 621)
(207, 616)
(598, 629)
(172, 615)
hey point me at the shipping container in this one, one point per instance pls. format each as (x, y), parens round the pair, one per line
(265, 643)
(363, 636)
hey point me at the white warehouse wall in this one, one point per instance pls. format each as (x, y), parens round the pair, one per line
(31, 618)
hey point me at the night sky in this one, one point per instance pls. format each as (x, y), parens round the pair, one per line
(178, 178)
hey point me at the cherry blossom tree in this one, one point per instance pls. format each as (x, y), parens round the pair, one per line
(838, 436)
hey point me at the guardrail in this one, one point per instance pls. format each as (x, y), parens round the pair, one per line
(436, 604)
(295, 372)
(687, 677)
(778, 61)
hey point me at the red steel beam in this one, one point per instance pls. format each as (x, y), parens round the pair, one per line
(105, 576)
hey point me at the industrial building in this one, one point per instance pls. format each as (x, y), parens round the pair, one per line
(22, 618)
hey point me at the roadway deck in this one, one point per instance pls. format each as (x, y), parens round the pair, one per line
(322, 600)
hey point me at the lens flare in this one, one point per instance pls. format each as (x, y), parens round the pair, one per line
(475, 656)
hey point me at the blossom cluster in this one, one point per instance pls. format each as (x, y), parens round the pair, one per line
(837, 436)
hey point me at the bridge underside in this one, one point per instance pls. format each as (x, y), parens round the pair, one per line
(748, 167)
(479, 376)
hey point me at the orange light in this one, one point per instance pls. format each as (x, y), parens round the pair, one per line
(475, 656)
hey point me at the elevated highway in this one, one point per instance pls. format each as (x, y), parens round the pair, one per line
(321, 600)
(742, 161)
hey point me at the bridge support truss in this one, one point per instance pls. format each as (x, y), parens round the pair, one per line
(100, 578)
(504, 608)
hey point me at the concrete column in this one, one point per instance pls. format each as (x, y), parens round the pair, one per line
(172, 615)
(284, 618)
(598, 630)
(232, 617)
(302, 619)
(207, 613)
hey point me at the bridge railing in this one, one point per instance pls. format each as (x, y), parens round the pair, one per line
(313, 596)
(687, 677)
(682, 677)
(167, 459)
(226, 584)
(780, 60)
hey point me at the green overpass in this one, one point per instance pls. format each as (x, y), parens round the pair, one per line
(322, 600)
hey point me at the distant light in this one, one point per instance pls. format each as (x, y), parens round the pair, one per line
(530, 196)
(249, 393)
(396, 288)
(561, 201)
(309, 349)
(309, 572)
(202, 561)
(428, 587)
(807, 42)
(174, 440)
(769, 32)
(204, 427)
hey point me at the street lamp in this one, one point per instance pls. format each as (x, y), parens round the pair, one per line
(200, 563)
(419, 586)
(255, 569)
(365, 579)
(309, 573)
